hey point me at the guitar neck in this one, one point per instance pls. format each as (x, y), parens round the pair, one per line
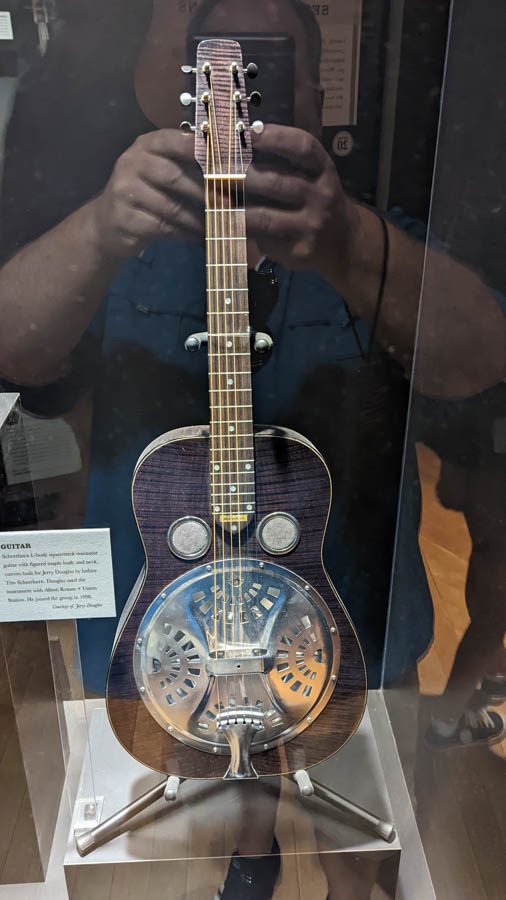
(231, 434)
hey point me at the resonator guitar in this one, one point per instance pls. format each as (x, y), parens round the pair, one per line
(235, 656)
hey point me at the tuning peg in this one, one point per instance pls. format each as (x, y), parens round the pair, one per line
(187, 127)
(258, 127)
(255, 98)
(188, 70)
(187, 99)
(251, 70)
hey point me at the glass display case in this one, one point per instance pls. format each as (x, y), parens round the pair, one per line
(253, 307)
(444, 674)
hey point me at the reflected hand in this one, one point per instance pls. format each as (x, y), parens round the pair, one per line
(155, 191)
(297, 210)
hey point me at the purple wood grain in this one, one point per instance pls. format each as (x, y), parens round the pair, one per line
(173, 481)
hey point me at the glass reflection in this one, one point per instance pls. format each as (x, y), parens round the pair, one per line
(103, 281)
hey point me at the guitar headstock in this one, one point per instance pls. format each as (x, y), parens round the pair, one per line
(222, 124)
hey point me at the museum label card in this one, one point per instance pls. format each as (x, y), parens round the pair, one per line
(56, 575)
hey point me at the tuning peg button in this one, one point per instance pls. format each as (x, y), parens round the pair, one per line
(187, 99)
(187, 127)
(258, 127)
(188, 70)
(255, 98)
(251, 70)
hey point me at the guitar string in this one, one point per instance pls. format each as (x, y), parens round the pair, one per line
(226, 505)
(237, 139)
(222, 288)
(213, 442)
(213, 130)
(241, 195)
(241, 202)
(235, 277)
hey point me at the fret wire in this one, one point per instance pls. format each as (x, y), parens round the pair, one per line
(246, 481)
(230, 176)
(228, 353)
(243, 484)
(228, 492)
(246, 488)
(217, 497)
(249, 471)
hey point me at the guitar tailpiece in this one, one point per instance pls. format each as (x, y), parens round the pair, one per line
(240, 727)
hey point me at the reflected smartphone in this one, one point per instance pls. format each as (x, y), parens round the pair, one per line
(274, 55)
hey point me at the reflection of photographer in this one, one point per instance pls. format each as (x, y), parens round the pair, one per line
(124, 263)
(297, 214)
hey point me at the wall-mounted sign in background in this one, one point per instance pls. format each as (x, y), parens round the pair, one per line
(340, 26)
(56, 575)
(6, 33)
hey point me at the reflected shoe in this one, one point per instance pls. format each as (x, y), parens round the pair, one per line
(494, 688)
(472, 729)
(251, 877)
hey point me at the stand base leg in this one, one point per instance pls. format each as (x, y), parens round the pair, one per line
(360, 817)
(95, 837)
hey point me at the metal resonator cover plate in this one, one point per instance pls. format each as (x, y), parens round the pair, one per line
(239, 635)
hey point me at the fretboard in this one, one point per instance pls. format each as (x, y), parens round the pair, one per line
(231, 439)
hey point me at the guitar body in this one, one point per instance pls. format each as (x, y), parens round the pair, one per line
(171, 482)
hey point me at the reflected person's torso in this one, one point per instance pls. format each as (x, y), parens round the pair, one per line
(314, 380)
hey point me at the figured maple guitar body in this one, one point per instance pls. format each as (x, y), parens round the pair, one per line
(172, 481)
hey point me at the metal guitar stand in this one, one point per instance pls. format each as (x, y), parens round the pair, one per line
(168, 790)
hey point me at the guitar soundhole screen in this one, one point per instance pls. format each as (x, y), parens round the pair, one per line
(189, 538)
(278, 533)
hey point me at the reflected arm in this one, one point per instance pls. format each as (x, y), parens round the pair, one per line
(461, 346)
